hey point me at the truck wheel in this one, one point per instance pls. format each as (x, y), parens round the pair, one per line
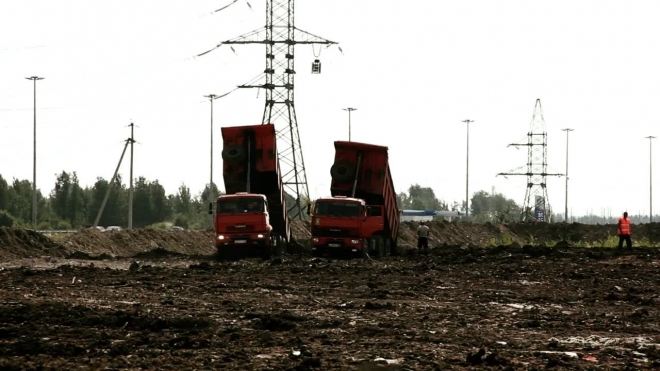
(367, 249)
(275, 247)
(233, 152)
(342, 171)
(380, 247)
(388, 247)
(282, 245)
(396, 250)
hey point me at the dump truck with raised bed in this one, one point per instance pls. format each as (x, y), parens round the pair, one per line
(252, 215)
(362, 215)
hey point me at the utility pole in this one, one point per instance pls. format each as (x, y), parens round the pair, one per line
(349, 120)
(467, 169)
(650, 138)
(110, 183)
(567, 130)
(130, 189)
(34, 155)
(211, 97)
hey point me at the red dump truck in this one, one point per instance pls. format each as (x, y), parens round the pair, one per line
(362, 215)
(252, 216)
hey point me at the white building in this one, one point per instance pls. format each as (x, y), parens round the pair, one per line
(428, 215)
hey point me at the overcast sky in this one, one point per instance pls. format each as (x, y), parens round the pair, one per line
(414, 70)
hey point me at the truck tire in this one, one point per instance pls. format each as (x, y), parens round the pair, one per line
(233, 152)
(276, 247)
(379, 243)
(342, 171)
(283, 245)
(368, 247)
(388, 247)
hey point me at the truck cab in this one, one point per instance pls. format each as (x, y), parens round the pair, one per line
(336, 224)
(344, 223)
(242, 219)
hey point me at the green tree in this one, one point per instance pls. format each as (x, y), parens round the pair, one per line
(19, 202)
(161, 207)
(420, 198)
(6, 220)
(182, 201)
(67, 199)
(493, 207)
(115, 212)
(205, 193)
(4, 194)
(142, 205)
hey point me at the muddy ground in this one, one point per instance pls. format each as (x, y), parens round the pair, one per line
(454, 309)
(18, 243)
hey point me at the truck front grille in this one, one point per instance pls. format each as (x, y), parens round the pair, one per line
(332, 232)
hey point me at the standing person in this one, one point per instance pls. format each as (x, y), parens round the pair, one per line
(624, 231)
(422, 236)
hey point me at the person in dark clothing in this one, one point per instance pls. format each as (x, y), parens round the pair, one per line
(623, 231)
(422, 236)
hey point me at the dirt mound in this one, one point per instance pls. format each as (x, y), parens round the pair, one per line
(463, 233)
(128, 243)
(26, 243)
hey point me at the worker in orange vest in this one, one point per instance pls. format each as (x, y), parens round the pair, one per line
(624, 231)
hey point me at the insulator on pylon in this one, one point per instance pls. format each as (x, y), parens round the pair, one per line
(316, 66)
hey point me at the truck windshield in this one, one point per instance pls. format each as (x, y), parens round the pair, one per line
(337, 208)
(240, 205)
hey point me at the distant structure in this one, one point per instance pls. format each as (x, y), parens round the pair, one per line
(536, 206)
(280, 36)
(428, 215)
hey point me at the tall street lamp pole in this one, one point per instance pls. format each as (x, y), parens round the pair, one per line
(34, 156)
(349, 120)
(567, 130)
(650, 138)
(211, 97)
(467, 168)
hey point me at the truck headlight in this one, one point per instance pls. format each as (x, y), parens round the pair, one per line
(260, 236)
(315, 239)
(221, 237)
(355, 242)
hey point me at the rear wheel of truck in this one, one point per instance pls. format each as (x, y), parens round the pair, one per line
(379, 247)
(282, 243)
(273, 249)
(388, 247)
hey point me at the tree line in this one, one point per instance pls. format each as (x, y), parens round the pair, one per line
(484, 206)
(70, 205)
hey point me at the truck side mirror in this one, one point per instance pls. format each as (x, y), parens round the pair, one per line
(210, 208)
(309, 207)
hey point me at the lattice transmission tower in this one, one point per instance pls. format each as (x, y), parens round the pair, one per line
(280, 36)
(536, 169)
